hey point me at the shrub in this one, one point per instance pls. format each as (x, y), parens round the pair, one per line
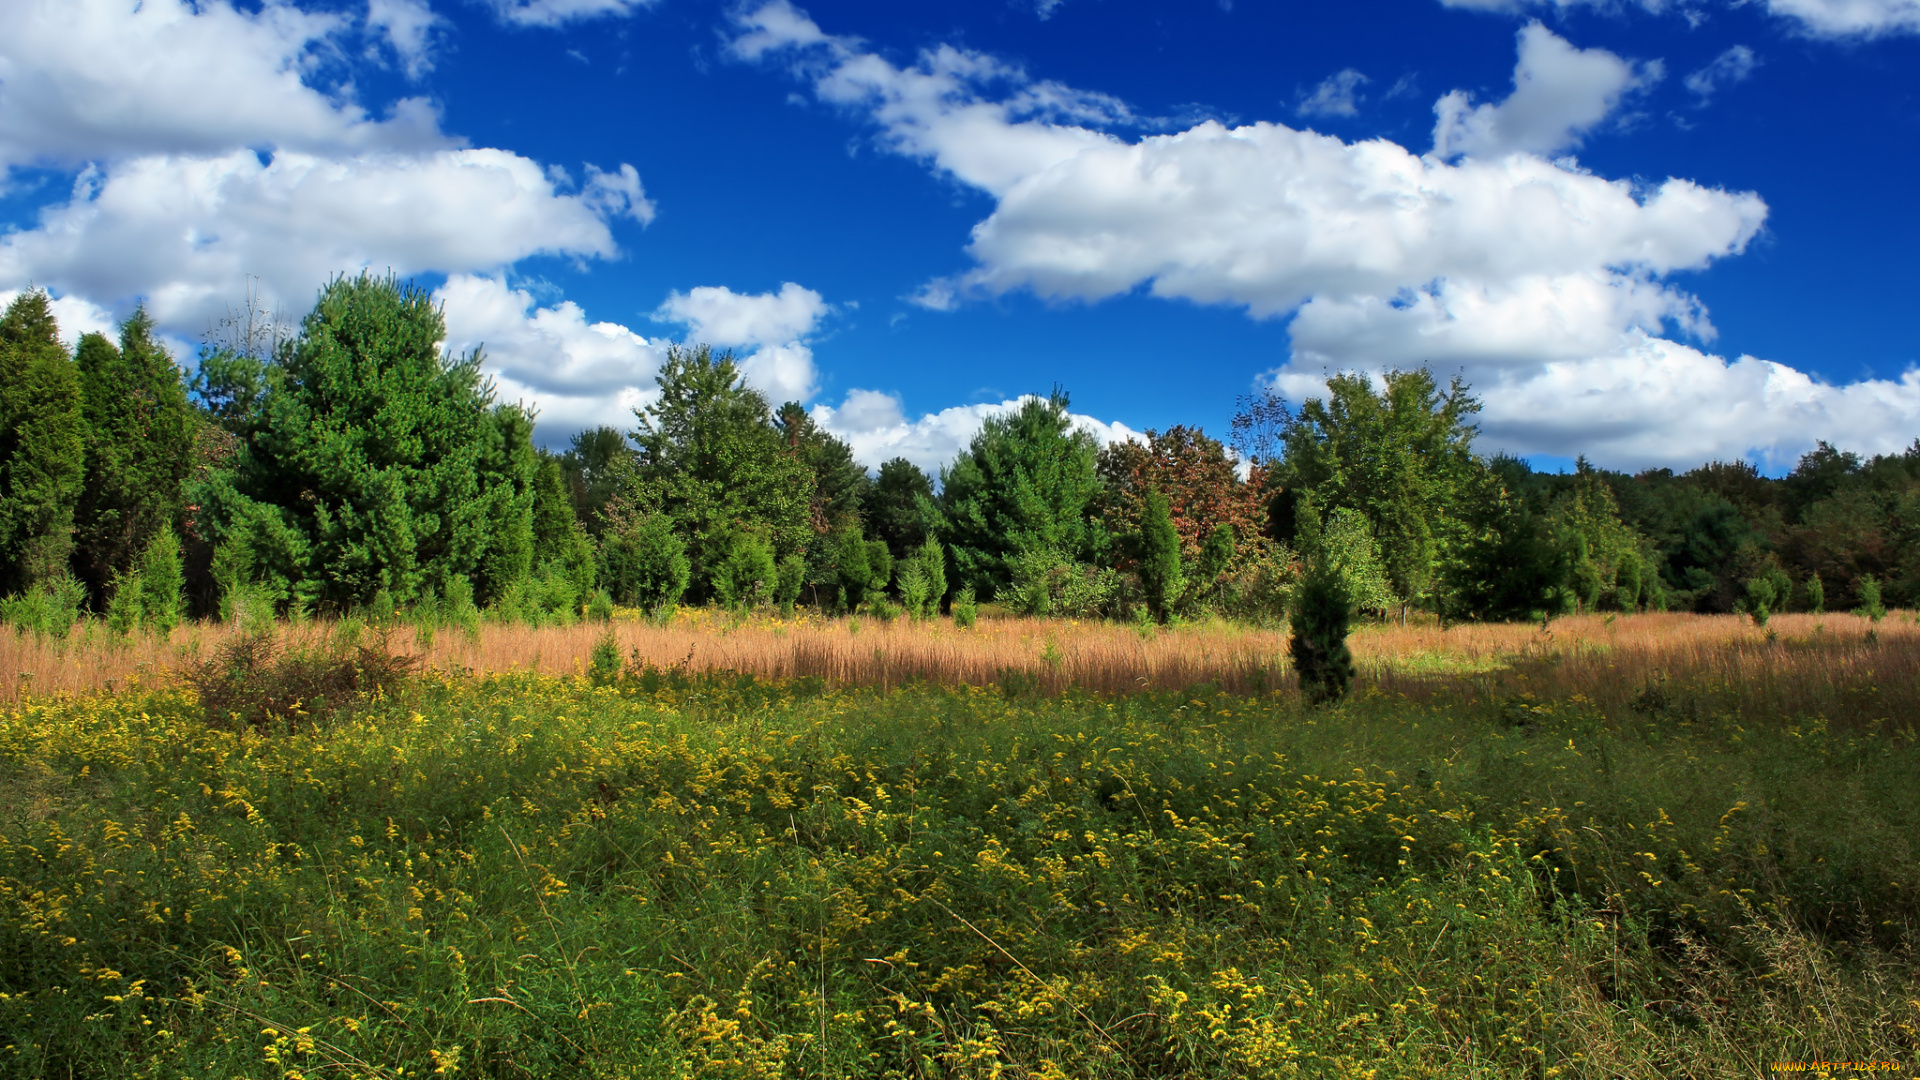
(644, 563)
(966, 610)
(254, 681)
(1322, 612)
(746, 575)
(1870, 605)
(789, 577)
(603, 667)
(600, 608)
(1759, 600)
(49, 609)
(1816, 592)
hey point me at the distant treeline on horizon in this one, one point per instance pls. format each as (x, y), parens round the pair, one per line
(353, 466)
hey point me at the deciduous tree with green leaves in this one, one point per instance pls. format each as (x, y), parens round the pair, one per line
(1401, 455)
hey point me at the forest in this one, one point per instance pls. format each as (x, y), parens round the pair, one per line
(347, 465)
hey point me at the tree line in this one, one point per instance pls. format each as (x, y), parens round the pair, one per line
(350, 464)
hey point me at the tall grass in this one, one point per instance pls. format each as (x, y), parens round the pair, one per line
(1839, 667)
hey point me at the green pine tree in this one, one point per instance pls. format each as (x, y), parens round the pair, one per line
(42, 446)
(139, 449)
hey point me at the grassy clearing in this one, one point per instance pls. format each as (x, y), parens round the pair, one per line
(1488, 872)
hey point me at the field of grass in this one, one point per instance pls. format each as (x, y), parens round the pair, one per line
(1651, 846)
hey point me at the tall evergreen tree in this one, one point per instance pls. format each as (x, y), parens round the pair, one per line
(712, 460)
(839, 483)
(42, 446)
(1160, 576)
(378, 463)
(896, 506)
(593, 463)
(139, 449)
(1025, 484)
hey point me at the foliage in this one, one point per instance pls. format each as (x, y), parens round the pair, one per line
(644, 562)
(966, 610)
(1161, 579)
(42, 447)
(711, 459)
(922, 578)
(148, 594)
(1024, 485)
(256, 682)
(377, 463)
(1046, 583)
(839, 483)
(1816, 593)
(49, 608)
(897, 506)
(1202, 487)
(592, 466)
(1323, 607)
(1870, 606)
(139, 434)
(747, 575)
(1402, 457)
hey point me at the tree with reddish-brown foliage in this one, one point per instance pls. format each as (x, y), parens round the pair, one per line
(1199, 480)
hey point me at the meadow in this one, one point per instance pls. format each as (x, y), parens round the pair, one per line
(1651, 845)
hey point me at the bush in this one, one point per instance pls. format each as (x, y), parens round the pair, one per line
(644, 563)
(1871, 608)
(1322, 612)
(604, 665)
(255, 682)
(1160, 572)
(1046, 583)
(966, 610)
(600, 608)
(49, 609)
(746, 575)
(789, 577)
(1816, 593)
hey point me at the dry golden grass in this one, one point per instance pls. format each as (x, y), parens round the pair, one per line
(1836, 665)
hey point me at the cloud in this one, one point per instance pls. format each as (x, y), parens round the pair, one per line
(772, 325)
(875, 425)
(718, 316)
(86, 80)
(578, 374)
(1819, 18)
(1544, 283)
(408, 26)
(1559, 94)
(550, 13)
(74, 316)
(1732, 66)
(1652, 402)
(1337, 95)
(185, 232)
(1851, 18)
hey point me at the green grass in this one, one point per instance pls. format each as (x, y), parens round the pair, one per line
(726, 878)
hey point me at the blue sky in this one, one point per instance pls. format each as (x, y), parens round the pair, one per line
(1656, 232)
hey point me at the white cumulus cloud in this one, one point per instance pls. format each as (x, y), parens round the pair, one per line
(1559, 94)
(875, 425)
(85, 80)
(774, 326)
(578, 374)
(185, 232)
(560, 12)
(408, 27)
(1545, 283)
